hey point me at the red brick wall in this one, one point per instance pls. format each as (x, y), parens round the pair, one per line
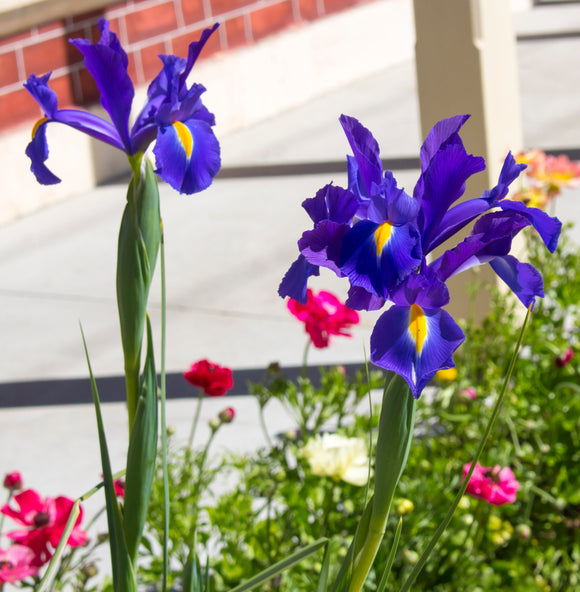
(146, 28)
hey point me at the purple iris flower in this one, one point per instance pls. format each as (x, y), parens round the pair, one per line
(187, 153)
(379, 237)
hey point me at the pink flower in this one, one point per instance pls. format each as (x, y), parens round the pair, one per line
(13, 481)
(496, 485)
(16, 563)
(45, 521)
(563, 359)
(213, 379)
(468, 393)
(323, 315)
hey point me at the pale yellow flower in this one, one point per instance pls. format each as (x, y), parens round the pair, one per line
(338, 457)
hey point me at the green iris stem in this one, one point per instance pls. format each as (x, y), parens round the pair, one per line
(163, 398)
(396, 425)
(495, 412)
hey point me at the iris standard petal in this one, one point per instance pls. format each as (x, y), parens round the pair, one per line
(439, 136)
(465, 212)
(187, 155)
(443, 184)
(365, 150)
(523, 279)
(107, 63)
(294, 282)
(376, 257)
(42, 93)
(331, 203)
(415, 343)
(195, 49)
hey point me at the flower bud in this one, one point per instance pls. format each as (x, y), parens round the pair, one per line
(227, 415)
(404, 506)
(523, 531)
(214, 424)
(13, 481)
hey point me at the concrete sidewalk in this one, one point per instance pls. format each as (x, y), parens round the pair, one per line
(226, 251)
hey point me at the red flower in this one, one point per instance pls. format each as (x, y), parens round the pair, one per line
(16, 563)
(323, 315)
(13, 481)
(213, 379)
(496, 485)
(45, 521)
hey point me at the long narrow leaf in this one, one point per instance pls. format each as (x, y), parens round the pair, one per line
(324, 570)
(281, 566)
(391, 558)
(344, 575)
(48, 577)
(141, 454)
(124, 579)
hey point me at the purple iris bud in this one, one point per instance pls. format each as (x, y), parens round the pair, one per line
(187, 153)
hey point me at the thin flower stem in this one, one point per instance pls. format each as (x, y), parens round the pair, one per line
(305, 358)
(163, 398)
(263, 424)
(10, 492)
(195, 419)
(496, 409)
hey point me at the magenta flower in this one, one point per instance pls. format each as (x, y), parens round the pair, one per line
(213, 379)
(495, 485)
(13, 481)
(44, 522)
(323, 315)
(563, 359)
(119, 485)
(16, 563)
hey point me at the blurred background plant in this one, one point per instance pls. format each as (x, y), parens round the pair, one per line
(277, 499)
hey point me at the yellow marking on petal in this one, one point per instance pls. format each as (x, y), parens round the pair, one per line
(418, 326)
(185, 137)
(37, 125)
(382, 235)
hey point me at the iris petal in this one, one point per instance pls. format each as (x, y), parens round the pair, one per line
(365, 150)
(107, 63)
(523, 279)
(415, 343)
(37, 151)
(193, 173)
(547, 227)
(375, 264)
(294, 282)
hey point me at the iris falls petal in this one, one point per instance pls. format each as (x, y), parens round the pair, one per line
(187, 155)
(415, 343)
(376, 257)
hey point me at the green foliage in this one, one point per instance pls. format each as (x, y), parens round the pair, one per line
(235, 517)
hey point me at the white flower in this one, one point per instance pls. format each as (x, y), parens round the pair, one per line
(338, 457)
